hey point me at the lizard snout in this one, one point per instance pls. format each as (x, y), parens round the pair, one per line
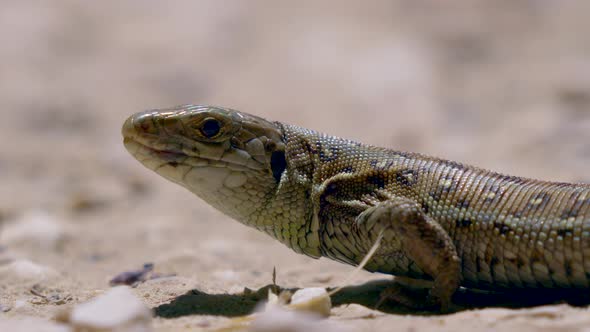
(139, 123)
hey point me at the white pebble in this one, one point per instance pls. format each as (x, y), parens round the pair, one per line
(226, 275)
(314, 300)
(278, 318)
(34, 229)
(19, 304)
(116, 310)
(31, 324)
(25, 271)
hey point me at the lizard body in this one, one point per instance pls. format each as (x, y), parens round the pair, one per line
(327, 196)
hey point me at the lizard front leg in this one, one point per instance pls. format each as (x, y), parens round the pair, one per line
(422, 240)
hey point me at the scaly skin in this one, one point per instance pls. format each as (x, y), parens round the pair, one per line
(325, 196)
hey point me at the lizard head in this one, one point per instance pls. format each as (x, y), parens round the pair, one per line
(232, 160)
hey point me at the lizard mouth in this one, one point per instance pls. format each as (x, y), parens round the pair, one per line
(134, 146)
(167, 155)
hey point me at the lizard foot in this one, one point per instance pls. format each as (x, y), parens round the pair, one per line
(422, 240)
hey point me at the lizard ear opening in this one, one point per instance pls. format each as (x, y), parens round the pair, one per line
(278, 164)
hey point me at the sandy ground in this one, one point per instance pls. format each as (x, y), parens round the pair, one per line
(500, 84)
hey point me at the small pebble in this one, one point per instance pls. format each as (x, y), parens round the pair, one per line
(23, 270)
(34, 229)
(48, 296)
(30, 324)
(4, 308)
(116, 310)
(323, 278)
(132, 277)
(313, 300)
(20, 303)
(82, 203)
(278, 318)
(226, 275)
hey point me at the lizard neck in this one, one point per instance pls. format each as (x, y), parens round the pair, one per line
(310, 157)
(289, 217)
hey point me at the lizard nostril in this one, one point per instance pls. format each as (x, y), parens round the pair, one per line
(140, 123)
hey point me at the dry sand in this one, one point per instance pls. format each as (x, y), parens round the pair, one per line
(500, 84)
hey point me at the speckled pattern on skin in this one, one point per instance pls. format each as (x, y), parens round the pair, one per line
(327, 196)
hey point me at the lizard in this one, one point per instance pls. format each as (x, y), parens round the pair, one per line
(453, 224)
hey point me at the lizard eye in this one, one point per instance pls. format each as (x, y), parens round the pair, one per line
(210, 127)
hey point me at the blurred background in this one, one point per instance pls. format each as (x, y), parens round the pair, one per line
(501, 84)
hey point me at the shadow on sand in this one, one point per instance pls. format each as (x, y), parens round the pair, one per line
(196, 302)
